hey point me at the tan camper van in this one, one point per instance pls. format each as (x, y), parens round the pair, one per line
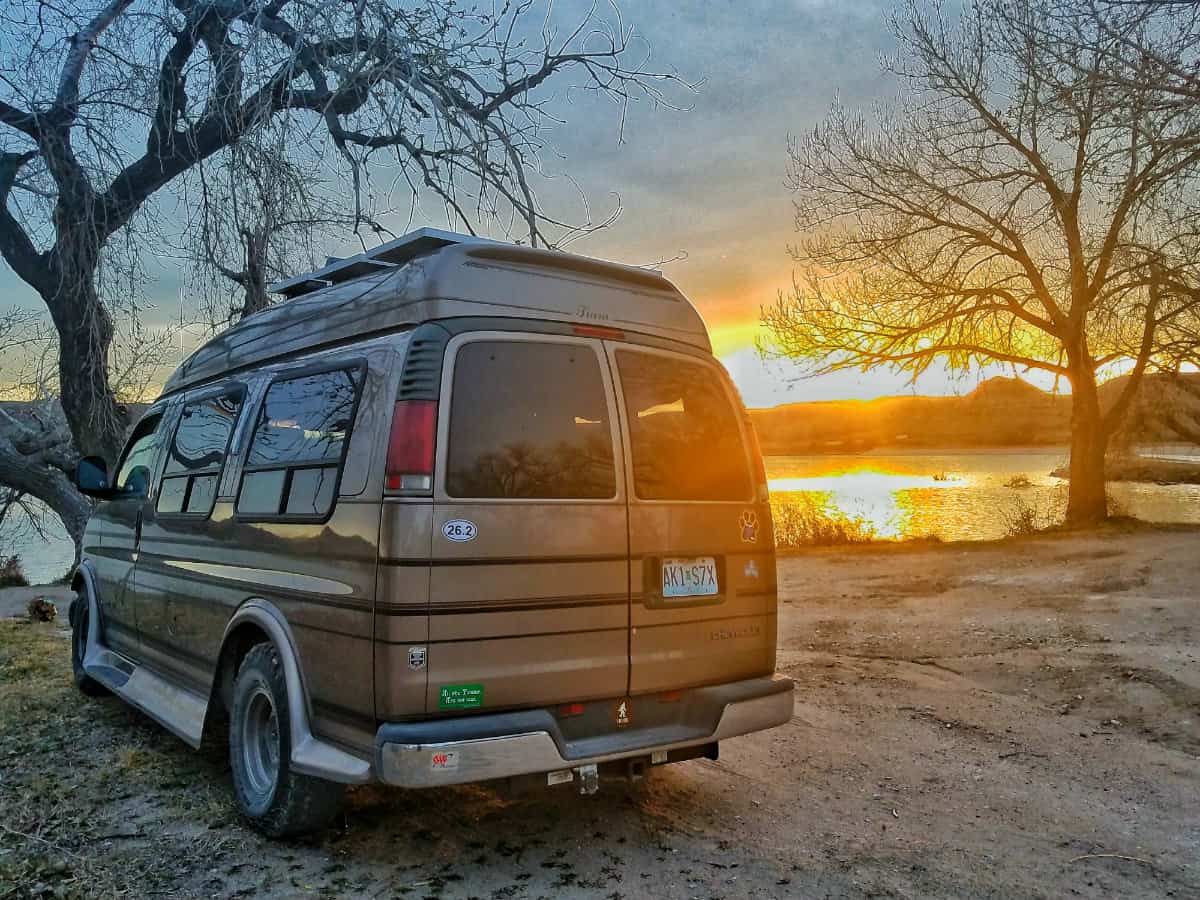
(454, 511)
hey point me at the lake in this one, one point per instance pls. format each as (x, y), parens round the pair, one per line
(964, 494)
(954, 494)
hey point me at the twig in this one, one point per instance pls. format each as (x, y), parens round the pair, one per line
(1111, 856)
(1019, 752)
(117, 834)
(42, 840)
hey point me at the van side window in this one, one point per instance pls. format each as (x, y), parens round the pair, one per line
(530, 420)
(299, 441)
(683, 430)
(197, 454)
(141, 454)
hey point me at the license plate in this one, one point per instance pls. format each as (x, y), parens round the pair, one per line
(696, 577)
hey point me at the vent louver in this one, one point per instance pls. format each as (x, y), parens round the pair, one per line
(421, 378)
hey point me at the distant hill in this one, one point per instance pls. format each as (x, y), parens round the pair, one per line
(1000, 412)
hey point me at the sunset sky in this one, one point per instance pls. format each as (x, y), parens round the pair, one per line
(704, 182)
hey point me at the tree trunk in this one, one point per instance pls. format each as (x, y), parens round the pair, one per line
(255, 274)
(1087, 500)
(85, 333)
(51, 485)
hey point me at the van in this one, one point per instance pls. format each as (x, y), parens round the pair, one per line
(454, 511)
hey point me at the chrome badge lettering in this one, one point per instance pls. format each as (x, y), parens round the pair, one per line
(585, 312)
(728, 634)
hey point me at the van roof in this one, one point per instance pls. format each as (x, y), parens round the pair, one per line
(430, 274)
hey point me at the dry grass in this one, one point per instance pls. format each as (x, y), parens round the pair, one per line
(802, 520)
(90, 788)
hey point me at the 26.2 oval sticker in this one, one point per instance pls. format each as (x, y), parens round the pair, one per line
(459, 530)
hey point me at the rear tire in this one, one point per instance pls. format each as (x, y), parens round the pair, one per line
(277, 801)
(79, 634)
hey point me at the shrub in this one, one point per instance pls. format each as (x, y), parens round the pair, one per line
(802, 520)
(11, 573)
(1019, 481)
(42, 610)
(1021, 519)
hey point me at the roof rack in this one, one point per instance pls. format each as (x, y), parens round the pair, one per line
(385, 256)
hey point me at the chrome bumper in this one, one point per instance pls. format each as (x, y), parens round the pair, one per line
(436, 763)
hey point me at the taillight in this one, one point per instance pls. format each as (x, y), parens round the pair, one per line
(599, 331)
(411, 446)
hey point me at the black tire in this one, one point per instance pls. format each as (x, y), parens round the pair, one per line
(277, 801)
(79, 631)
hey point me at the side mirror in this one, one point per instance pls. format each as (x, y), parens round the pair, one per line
(91, 477)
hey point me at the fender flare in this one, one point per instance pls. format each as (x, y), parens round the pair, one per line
(310, 755)
(92, 647)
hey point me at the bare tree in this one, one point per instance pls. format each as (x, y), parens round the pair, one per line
(105, 105)
(259, 215)
(37, 455)
(37, 451)
(1029, 201)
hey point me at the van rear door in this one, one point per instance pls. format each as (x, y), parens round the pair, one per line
(702, 551)
(529, 585)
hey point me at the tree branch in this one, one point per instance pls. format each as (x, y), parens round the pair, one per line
(82, 43)
(15, 245)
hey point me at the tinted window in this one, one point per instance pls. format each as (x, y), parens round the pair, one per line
(305, 419)
(311, 491)
(686, 443)
(203, 434)
(529, 420)
(262, 492)
(202, 494)
(137, 466)
(296, 452)
(197, 454)
(172, 494)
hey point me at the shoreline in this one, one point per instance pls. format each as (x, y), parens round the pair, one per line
(1117, 525)
(1145, 470)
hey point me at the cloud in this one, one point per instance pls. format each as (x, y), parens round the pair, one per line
(707, 180)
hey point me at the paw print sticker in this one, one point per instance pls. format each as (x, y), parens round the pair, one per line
(749, 526)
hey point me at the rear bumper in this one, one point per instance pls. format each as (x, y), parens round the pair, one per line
(501, 745)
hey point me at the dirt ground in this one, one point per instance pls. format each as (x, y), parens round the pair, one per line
(998, 720)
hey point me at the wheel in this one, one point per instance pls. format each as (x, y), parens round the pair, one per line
(79, 634)
(276, 800)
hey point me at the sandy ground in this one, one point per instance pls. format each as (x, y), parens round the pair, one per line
(1006, 720)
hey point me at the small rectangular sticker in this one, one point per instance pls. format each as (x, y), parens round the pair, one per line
(443, 760)
(460, 696)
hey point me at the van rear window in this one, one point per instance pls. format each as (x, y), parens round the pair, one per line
(686, 443)
(530, 420)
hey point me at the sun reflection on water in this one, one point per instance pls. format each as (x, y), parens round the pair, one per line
(887, 499)
(955, 494)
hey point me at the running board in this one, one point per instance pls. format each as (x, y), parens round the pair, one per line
(177, 709)
(182, 711)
